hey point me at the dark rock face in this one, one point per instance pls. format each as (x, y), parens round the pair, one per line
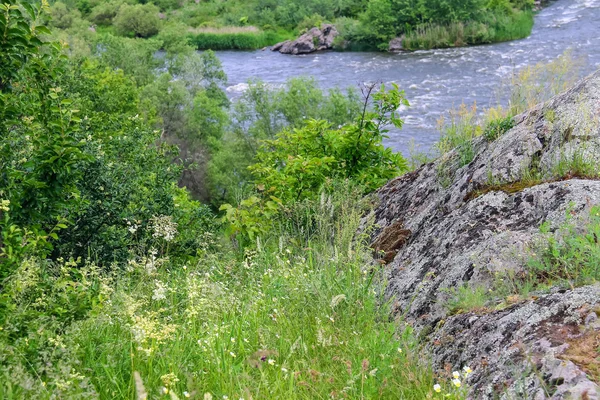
(444, 237)
(314, 40)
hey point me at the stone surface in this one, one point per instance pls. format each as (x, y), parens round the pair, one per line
(446, 237)
(396, 44)
(314, 40)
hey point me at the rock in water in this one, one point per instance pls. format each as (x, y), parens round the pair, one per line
(396, 44)
(314, 40)
(468, 225)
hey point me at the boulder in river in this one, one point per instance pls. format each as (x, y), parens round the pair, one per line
(396, 44)
(314, 40)
(437, 235)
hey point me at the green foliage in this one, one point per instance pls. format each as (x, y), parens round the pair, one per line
(566, 256)
(61, 16)
(468, 299)
(571, 257)
(260, 114)
(136, 57)
(458, 133)
(236, 41)
(498, 127)
(258, 325)
(297, 163)
(139, 20)
(105, 12)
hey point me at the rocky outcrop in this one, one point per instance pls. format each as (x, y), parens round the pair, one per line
(314, 40)
(445, 226)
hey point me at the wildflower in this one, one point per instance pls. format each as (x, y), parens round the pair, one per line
(284, 370)
(373, 372)
(271, 361)
(467, 370)
(164, 390)
(399, 350)
(169, 379)
(164, 227)
(232, 354)
(456, 374)
(437, 388)
(232, 340)
(4, 205)
(160, 291)
(225, 397)
(207, 396)
(456, 382)
(186, 394)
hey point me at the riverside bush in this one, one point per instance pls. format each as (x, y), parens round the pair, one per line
(140, 20)
(297, 163)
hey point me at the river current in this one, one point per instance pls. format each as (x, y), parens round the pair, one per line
(434, 80)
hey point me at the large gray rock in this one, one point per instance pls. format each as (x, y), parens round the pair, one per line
(437, 237)
(314, 40)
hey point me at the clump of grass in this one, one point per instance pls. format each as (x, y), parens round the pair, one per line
(226, 29)
(226, 39)
(571, 256)
(495, 28)
(535, 84)
(498, 127)
(468, 299)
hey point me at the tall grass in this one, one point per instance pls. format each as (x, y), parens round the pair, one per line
(299, 317)
(236, 39)
(494, 28)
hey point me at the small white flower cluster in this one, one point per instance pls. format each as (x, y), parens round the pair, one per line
(160, 290)
(456, 382)
(164, 227)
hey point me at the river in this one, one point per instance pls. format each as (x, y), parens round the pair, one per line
(434, 80)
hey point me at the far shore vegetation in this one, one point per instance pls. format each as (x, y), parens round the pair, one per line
(255, 24)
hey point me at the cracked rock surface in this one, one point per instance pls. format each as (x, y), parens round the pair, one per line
(437, 237)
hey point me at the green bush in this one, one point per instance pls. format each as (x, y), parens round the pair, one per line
(104, 13)
(139, 20)
(61, 16)
(297, 163)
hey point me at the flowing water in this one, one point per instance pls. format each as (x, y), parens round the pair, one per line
(434, 80)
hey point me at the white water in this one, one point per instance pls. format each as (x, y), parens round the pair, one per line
(434, 80)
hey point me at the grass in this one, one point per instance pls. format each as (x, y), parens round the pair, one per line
(235, 39)
(291, 319)
(495, 28)
(468, 299)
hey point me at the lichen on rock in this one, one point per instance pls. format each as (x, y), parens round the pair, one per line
(439, 238)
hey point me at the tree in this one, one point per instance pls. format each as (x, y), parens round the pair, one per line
(139, 20)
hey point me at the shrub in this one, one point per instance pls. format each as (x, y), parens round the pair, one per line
(140, 20)
(61, 16)
(104, 13)
(297, 163)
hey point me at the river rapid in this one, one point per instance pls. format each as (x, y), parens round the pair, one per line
(434, 80)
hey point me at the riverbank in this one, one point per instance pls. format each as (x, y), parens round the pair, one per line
(249, 25)
(494, 28)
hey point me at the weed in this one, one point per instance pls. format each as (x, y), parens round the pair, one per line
(498, 127)
(468, 299)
